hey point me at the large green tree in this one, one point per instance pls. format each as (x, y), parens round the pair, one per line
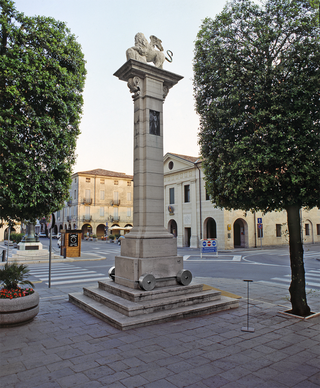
(42, 74)
(257, 90)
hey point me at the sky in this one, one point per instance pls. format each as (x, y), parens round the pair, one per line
(106, 29)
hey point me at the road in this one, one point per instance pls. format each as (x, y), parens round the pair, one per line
(270, 265)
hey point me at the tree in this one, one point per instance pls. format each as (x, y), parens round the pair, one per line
(42, 74)
(257, 85)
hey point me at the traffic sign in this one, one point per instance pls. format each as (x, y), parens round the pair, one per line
(260, 226)
(259, 220)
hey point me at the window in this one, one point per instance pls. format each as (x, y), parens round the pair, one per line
(187, 193)
(88, 180)
(115, 213)
(115, 182)
(101, 211)
(102, 194)
(318, 229)
(129, 196)
(128, 183)
(75, 194)
(87, 212)
(278, 230)
(170, 165)
(207, 195)
(88, 194)
(306, 229)
(101, 181)
(171, 196)
(128, 211)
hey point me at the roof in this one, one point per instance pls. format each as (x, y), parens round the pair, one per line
(102, 172)
(191, 159)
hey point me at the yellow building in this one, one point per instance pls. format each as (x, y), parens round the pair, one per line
(101, 202)
(191, 216)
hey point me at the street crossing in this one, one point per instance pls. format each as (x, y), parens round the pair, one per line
(65, 274)
(312, 279)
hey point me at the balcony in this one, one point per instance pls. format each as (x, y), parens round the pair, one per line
(69, 203)
(86, 218)
(87, 201)
(114, 218)
(115, 202)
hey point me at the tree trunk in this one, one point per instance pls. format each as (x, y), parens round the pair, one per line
(297, 287)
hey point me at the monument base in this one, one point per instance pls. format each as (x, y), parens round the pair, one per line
(126, 308)
(128, 270)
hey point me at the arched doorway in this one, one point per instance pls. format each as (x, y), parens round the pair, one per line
(173, 228)
(240, 233)
(86, 230)
(210, 228)
(100, 230)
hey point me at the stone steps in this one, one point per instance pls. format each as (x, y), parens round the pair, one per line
(159, 305)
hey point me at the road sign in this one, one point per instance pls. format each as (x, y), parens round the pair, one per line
(260, 226)
(209, 246)
(259, 220)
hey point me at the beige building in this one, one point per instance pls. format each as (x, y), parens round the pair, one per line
(191, 216)
(101, 202)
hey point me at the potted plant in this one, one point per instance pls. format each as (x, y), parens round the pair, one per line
(111, 237)
(95, 238)
(17, 305)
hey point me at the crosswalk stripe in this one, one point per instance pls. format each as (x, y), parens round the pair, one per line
(92, 273)
(289, 281)
(77, 281)
(65, 274)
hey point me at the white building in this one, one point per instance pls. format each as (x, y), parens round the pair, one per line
(191, 216)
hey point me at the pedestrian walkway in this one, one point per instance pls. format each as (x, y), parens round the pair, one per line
(67, 347)
(65, 274)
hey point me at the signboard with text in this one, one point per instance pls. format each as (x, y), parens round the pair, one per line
(209, 245)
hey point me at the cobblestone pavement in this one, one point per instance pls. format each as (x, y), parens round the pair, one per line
(66, 347)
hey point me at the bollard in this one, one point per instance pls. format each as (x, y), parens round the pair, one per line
(3, 255)
(249, 329)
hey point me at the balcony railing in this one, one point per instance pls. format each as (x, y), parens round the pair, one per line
(114, 218)
(115, 202)
(69, 203)
(86, 218)
(87, 201)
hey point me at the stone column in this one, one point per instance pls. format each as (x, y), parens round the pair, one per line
(149, 247)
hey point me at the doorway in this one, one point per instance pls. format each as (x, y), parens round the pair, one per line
(240, 233)
(187, 236)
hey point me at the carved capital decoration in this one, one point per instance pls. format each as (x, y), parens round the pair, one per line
(134, 86)
(165, 91)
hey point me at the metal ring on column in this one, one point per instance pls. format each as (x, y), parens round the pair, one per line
(147, 282)
(112, 273)
(184, 277)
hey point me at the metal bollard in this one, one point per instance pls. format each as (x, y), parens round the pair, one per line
(3, 255)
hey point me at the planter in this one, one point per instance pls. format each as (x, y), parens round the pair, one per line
(18, 311)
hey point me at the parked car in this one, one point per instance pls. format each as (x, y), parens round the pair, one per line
(42, 234)
(56, 235)
(59, 242)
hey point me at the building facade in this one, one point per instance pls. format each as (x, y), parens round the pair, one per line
(190, 215)
(101, 203)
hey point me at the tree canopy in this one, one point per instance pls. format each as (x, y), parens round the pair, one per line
(42, 75)
(257, 88)
(257, 84)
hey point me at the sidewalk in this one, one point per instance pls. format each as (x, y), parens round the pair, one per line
(66, 347)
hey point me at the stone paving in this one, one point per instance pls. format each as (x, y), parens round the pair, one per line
(66, 347)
